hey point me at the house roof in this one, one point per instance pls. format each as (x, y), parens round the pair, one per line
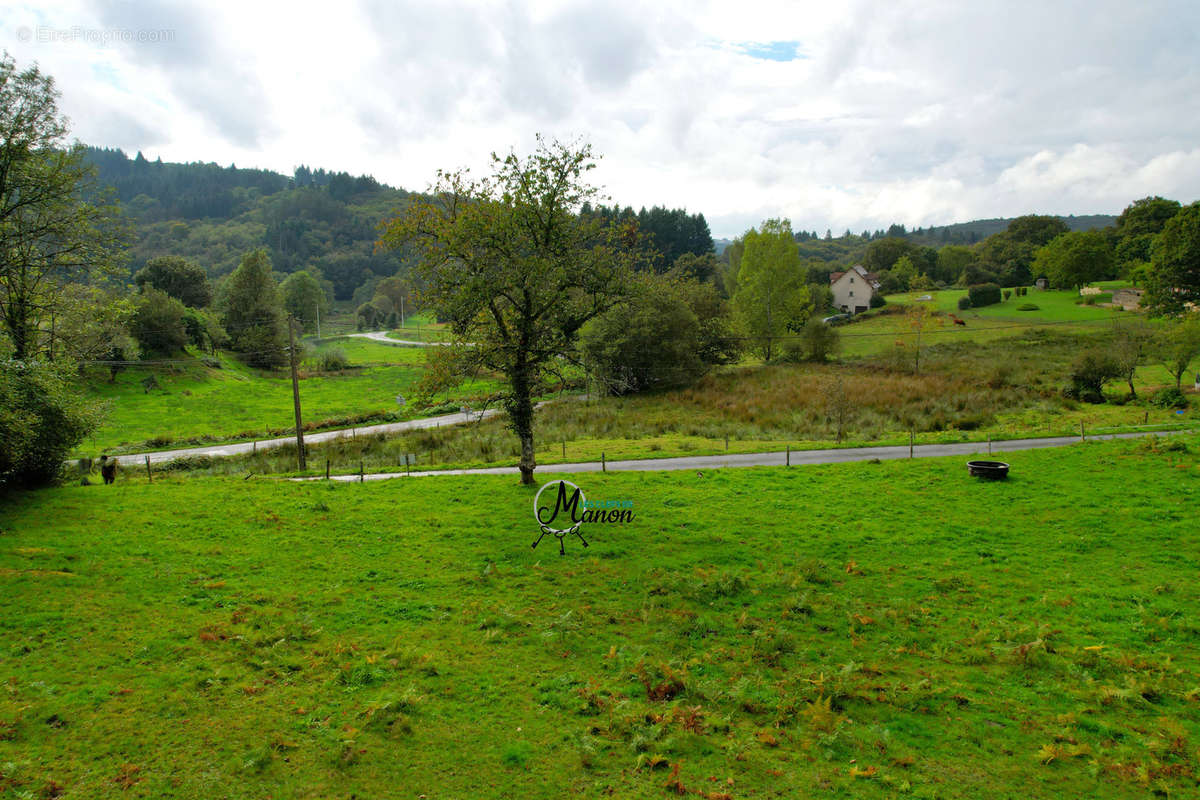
(861, 271)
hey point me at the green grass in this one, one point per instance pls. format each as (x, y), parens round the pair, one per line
(876, 332)
(937, 637)
(195, 403)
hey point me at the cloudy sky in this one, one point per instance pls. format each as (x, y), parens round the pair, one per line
(834, 114)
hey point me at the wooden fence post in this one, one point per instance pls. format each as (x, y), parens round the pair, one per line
(327, 469)
(603, 462)
(911, 437)
(360, 470)
(789, 455)
(149, 477)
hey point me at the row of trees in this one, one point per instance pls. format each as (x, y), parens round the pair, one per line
(1152, 243)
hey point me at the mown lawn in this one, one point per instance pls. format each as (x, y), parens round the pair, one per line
(862, 630)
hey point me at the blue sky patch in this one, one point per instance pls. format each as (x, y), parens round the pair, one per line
(771, 51)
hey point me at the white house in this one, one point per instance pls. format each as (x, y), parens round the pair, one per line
(852, 289)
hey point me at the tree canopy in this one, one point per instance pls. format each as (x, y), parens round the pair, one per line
(1076, 259)
(252, 314)
(1174, 277)
(51, 233)
(515, 268)
(178, 277)
(772, 300)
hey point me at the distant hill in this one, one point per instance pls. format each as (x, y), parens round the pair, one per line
(979, 229)
(321, 221)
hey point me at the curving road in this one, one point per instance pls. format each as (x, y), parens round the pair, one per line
(309, 438)
(383, 338)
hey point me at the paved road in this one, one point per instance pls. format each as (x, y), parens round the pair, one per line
(798, 458)
(309, 438)
(382, 337)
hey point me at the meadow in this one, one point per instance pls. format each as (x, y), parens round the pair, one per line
(751, 633)
(191, 403)
(966, 391)
(879, 330)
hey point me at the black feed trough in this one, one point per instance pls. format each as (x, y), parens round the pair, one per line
(992, 470)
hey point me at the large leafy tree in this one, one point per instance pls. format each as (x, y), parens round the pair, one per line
(1076, 259)
(55, 225)
(515, 269)
(670, 331)
(1174, 277)
(178, 277)
(772, 300)
(1010, 254)
(252, 313)
(158, 323)
(304, 298)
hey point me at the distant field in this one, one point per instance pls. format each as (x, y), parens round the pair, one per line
(238, 402)
(752, 633)
(879, 332)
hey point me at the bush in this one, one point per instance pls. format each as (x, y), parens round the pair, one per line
(1088, 375)
(964, 303)
(1027, 307)
(877, 301)
(653, 341)
(1007, 294)
(333, 360)
(1169, 398)
(41, 421)
(817, 342)
(158, 323)
(984, 294)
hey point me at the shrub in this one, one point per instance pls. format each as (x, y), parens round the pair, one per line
(158, 323)
(1088, 375)
(1027, 307)
(984, 294)
(41, 421)
(333, 360)
(1007, 294)
(877, 301)
(1170, 397)
(821, 340)
(964, 303)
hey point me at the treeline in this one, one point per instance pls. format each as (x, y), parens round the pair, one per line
(833, 248)
(1027, 248)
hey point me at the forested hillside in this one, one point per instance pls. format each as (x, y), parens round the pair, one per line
(316, 220)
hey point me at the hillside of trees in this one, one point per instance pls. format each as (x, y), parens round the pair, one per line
(325, 223)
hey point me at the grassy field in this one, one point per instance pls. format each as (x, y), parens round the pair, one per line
(751, 633)
(191, 401)
(877, 332)
(966, 392)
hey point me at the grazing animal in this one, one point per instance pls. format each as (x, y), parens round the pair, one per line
(108, 469)
(958, 321)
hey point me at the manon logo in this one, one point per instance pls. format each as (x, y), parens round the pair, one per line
(572, 510)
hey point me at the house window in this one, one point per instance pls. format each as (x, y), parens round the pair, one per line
(852, 280)
(852, 293)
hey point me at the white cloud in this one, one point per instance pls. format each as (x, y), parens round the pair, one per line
(912, 112)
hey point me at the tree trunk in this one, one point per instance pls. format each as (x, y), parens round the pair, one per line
(520, 411)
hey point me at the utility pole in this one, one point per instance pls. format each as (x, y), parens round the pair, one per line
(296, 395)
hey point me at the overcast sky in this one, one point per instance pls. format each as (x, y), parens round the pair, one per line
(833, 114)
